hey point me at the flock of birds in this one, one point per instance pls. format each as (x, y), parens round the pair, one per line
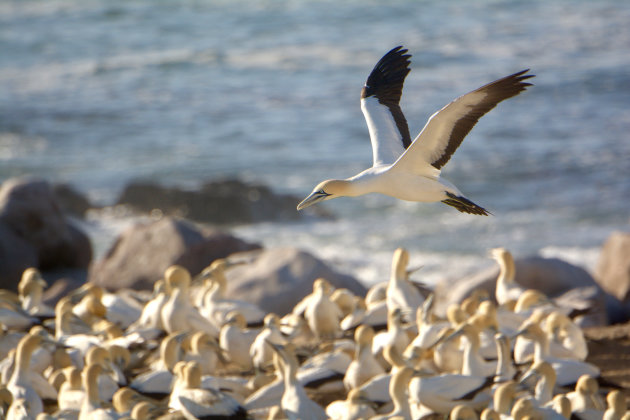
(187, 351)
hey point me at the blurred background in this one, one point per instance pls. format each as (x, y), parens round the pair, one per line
(100, 93)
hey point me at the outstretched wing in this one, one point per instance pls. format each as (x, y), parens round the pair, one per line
(446, 129)
(380, 99)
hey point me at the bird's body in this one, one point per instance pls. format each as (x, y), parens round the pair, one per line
(294, 402)
(235, 340)
(20, 384)
(364, 366)
(410, 170)
(197, 402)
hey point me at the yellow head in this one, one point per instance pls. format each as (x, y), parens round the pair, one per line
(326, 190)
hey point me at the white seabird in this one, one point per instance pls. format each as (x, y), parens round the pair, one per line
(411, 170)
(295, 403)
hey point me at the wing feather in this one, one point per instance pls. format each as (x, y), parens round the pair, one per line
(447, 128)
(380, 98)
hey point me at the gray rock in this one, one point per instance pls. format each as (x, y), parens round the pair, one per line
(613, 268)
(71, 201)
(16, 255)
(34, 232)
(219, 202)
(142, 253)
(279, 278)
(556, 278)
(62, 282)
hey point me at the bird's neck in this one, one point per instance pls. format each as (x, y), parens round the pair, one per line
(544, 390)
(541, 348)
(502, 360)
(362, 183)
(91, 388)
(290, 375)
(506, 274)
(399, 395)
(22, 361)
(472, 359)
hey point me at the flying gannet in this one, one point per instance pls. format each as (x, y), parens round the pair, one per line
(410, 170)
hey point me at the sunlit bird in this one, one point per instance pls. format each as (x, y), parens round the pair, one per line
(410, 170)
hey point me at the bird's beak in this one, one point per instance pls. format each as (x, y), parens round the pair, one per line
(518, 333)
(445, 337)
(314, 198)
(527, 376)
(278, 348)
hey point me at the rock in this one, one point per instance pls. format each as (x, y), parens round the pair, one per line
(35, 233)
(142, 253)
(219, 202)
(552, 276)
(613, 268)
(61, 283)
(279, 278)
(16, 255)
(71, 201)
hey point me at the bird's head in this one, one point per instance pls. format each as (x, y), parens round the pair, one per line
(325, 190)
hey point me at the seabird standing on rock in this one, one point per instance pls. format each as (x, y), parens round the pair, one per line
(411, 170)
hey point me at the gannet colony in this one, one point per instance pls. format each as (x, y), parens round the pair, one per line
(186, 351)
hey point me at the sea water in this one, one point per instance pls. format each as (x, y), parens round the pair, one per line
(98, 93)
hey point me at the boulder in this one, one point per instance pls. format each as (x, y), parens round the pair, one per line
(278, 278)
(556, 278)
(142, 253)
(71, 201)
(61, 282)
(34, 232)
(613, 267)
(16, 255)
(218, 202)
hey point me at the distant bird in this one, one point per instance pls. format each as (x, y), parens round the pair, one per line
(401, 292)
(616, 405)
(355, 406)
(261, 351)
(235, 340)
(398, 391)
(322, 314)
(178, 313)
(295, 403)
(545, 381)
(196, 402)
(411, 170)
(31, 289)
(20, 384)
(151, 316)
(586, 396)
(506, 288)
(364, 366)
(568, 371)
(215, 306)
(71, 393)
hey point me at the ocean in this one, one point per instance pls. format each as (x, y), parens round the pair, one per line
(97, 93)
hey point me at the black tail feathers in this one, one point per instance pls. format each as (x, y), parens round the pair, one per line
(465, 205)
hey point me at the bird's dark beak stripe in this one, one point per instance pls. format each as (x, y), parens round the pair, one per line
(315, 197)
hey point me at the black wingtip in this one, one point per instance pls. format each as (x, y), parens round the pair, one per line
(520, 76)
(388, 75)
(464, 205)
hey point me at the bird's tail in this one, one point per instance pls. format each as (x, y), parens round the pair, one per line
(464, 205)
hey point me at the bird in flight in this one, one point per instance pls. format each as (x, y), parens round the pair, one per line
(410, 170)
